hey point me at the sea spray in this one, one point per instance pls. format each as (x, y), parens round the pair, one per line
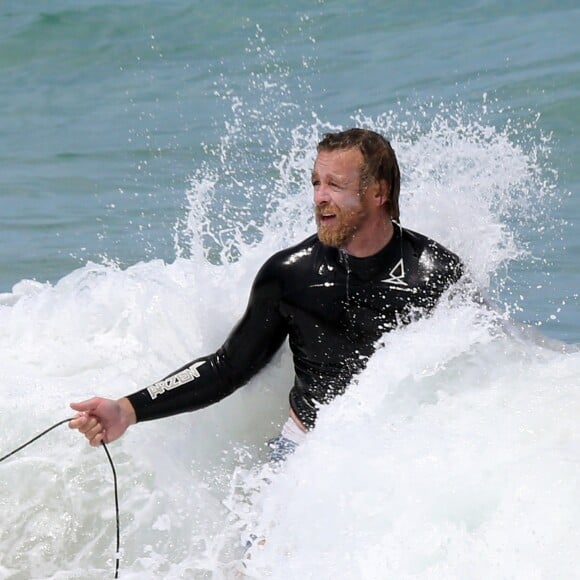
(426, 467)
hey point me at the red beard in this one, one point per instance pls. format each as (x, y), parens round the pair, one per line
(340, 229)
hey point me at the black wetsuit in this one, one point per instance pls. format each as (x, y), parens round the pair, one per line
(333, 308)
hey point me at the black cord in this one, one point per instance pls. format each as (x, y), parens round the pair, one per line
(34, 439)
(117, 553)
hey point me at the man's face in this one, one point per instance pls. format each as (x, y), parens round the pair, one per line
(340, 207)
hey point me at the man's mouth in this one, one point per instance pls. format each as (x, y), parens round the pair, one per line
(326, 216)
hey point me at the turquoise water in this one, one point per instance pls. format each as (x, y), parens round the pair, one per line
(108, 109)
(154, 154)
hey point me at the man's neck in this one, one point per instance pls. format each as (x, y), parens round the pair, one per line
(371, 240)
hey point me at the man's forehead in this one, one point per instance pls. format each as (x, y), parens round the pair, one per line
(340, 161)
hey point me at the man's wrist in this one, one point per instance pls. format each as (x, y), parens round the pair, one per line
(128, 414)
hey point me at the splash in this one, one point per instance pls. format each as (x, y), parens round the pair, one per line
(433, 464)
(430, 465)
(404, 474)
(456, 166)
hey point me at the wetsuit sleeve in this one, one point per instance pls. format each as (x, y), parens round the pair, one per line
(450, 270)
(437, 270)
(206, 380)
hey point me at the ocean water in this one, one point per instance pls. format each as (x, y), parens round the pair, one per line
(153, 155)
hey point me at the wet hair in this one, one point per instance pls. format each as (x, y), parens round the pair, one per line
(380, 161)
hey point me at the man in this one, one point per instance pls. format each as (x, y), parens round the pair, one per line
(333, 295)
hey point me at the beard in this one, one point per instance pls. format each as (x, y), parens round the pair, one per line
(342, 230)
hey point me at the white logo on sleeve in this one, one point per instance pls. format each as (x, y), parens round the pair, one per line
(185, 376)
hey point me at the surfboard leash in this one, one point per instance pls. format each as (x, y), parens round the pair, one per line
(117, 553)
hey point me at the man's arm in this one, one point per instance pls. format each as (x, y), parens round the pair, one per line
(204, 381)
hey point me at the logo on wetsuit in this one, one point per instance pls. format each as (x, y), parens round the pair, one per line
(397, 275)
(189, 374)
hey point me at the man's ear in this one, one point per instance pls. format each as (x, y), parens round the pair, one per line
(381, 193)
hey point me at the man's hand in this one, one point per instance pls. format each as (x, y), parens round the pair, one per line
(102, 420)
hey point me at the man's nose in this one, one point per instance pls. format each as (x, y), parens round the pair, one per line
(321, 195)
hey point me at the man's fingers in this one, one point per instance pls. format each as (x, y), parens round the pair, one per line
(78, 421)
(85, 423)
(84, 420)
(91, 426)
(93, 431)
(86, 406)
(98, 439)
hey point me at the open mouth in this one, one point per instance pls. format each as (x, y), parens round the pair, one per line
(326, 217)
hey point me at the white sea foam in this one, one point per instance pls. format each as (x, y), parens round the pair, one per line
(453, 456)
